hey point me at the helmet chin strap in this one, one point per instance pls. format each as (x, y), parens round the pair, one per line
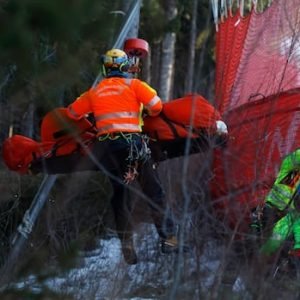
(104, 71)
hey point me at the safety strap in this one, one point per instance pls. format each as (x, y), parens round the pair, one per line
(114, 136)
(184, 126)
(135, 153)
(61, 143)
(170, 124)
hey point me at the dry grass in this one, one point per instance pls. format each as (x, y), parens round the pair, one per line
(78, 213)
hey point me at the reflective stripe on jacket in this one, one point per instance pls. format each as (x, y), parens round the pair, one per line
(117, 104)
(287, 180)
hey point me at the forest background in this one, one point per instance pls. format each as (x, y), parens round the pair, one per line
(49, 54)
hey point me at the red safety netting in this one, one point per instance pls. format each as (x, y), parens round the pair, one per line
(257, 91)
(258, 54)
(270, 61)
(229, 45)
(261, 133)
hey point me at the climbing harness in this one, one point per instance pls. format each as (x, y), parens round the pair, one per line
(139, 152)
(112, 136)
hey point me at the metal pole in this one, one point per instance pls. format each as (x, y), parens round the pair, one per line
(130, 22)
(25, 228)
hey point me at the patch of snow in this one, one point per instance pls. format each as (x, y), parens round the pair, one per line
(103, 274)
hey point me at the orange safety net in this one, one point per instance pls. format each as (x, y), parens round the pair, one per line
(229, 45)
(270, 61)
(261, 134)
(258, 55)
(257, 92)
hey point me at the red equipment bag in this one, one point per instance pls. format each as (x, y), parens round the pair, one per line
(19, 151)
(182, 118)
(59, 136)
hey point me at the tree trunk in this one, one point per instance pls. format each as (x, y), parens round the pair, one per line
(168, 54)
(155, 65)
(191, 54)
(199, 83)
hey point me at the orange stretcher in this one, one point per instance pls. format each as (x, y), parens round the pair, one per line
(64, 142)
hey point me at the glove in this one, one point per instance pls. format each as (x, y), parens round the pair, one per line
(255, 220)
(295, 253)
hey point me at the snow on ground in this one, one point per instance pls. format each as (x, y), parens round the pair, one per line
(103, 274)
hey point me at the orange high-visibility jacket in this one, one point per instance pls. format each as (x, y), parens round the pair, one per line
(117, 104)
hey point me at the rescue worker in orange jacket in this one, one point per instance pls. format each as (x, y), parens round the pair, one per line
(117, 104)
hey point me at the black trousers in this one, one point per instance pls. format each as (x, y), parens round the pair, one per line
(111, 157)
(116, 163)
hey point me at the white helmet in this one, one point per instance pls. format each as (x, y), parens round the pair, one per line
(221, 127)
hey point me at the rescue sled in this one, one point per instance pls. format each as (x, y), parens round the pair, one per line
(65, 143)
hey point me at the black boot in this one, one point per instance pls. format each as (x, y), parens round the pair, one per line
(129, 253)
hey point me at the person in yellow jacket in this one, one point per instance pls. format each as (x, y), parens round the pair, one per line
(279, 200)
(287, 226)
(117, 104)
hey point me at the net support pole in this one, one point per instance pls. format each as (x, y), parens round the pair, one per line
(129, 29)
(28, 221)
